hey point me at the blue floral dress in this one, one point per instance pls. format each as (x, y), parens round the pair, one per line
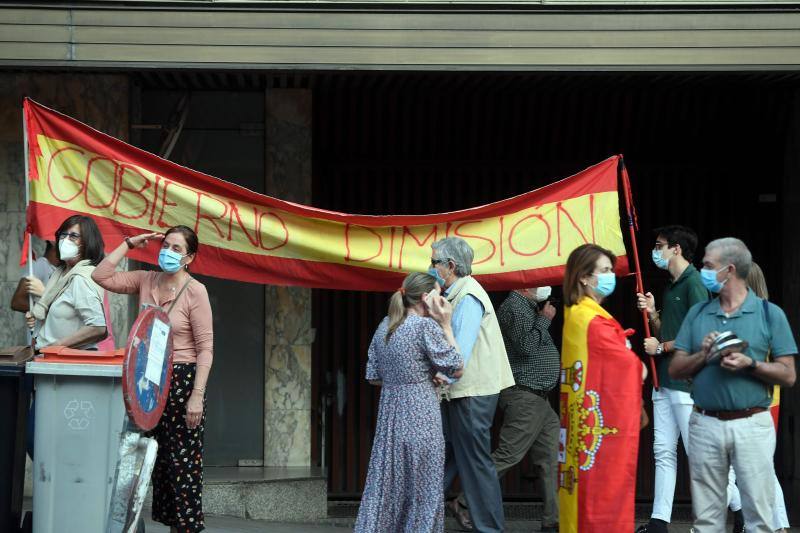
(404, 490)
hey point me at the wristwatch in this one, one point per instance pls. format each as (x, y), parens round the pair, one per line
(129, 243)
(660, 348)
(753, 364)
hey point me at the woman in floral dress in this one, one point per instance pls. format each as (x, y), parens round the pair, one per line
(404, 481)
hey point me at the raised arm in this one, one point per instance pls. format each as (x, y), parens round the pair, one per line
(525, 327)
(106, 275)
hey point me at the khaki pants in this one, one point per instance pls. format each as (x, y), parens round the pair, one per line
(748, 444)
(530, 426)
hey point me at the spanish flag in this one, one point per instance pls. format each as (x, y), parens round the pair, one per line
(601, 400)
(775, 405)
(521, 241)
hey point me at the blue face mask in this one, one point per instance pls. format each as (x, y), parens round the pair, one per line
(659, 260)
(435, 273)
(169, 261)
(709, 277)
(606, 283)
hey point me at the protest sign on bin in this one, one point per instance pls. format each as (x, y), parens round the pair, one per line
(147, 372)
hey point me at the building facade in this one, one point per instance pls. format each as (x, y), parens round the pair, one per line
(409, 107)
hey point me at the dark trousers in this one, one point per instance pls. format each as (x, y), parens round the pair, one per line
(530, 426)
(467, 424)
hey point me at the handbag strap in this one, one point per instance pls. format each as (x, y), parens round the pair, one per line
(178, 295)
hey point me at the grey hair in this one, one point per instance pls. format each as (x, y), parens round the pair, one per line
(733, 251)
(457, 250)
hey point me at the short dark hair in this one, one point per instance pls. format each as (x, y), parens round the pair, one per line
(192, 242)
(580, 263)
(92, 245)
(685, 237)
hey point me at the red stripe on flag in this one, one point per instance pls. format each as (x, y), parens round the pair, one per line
(612, 403)
(26, 243)
(254, 268)
(33, 129)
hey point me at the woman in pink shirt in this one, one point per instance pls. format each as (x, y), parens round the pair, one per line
(178, 472)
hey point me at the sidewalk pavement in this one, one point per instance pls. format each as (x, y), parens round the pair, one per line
(224, 524)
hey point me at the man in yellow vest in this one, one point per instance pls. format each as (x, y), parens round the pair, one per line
(468, 410)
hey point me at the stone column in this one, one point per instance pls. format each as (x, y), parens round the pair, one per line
(99, 100)
(287, 391)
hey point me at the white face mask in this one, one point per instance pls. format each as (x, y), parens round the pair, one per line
(543, 293)
(67, 249)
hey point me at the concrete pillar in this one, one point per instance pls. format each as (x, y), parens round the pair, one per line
(287, 391)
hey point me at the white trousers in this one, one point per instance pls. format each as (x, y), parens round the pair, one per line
(671, 411)
(780, 520)
(747, 444)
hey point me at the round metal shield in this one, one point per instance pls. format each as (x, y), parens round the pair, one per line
(147, 372)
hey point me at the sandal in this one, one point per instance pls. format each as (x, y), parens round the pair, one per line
(460, 513)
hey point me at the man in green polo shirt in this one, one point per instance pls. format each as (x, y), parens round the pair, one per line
(672, 404)
(731, 423)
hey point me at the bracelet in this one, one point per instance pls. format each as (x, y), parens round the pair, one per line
(201, 389)
(129, 243)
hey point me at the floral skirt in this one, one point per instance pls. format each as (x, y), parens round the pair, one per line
(178, 473)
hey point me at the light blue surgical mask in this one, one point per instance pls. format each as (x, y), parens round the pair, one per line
(659, 260)
(169, 261)
(435, 273)
(606, 283)
(709, 277)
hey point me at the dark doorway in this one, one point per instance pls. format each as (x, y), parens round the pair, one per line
(706, 151)
(223, 135)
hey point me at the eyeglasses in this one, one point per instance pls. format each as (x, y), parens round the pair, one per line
(659, 245)
(74, 237)
(435, 262)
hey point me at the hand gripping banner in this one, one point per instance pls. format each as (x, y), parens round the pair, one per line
(522, 241)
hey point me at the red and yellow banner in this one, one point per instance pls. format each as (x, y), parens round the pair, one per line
(246, 236)
(601, 400)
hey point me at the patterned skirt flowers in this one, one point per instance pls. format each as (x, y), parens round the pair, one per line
(178, 472)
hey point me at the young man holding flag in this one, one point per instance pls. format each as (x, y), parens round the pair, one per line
(672, 403)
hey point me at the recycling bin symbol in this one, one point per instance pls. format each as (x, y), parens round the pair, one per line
(79, 414)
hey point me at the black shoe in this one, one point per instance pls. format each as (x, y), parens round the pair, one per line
(460, 513)
(653, 526)
(738, 522)
(551, 529)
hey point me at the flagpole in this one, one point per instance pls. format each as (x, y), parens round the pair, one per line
(26, 177)
(626, 185)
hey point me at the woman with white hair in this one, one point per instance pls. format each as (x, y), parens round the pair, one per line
(471, 401)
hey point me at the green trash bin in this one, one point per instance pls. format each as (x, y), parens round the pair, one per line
(79, 418)
(14, 402)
